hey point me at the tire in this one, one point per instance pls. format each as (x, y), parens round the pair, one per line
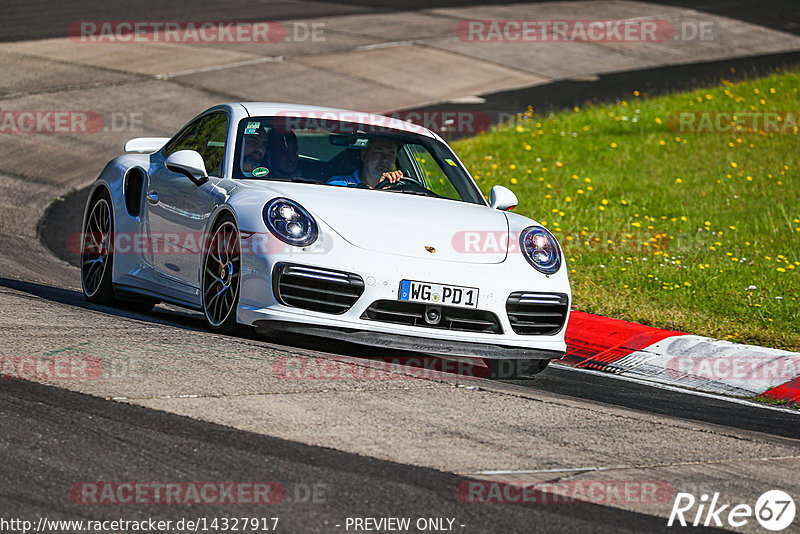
(97, 258)
(221, 276)
(96, 251)
(514, 369)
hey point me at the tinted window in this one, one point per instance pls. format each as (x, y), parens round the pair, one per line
(207, 136)
(334, 153)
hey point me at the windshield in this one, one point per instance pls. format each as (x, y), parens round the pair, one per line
(343, 154)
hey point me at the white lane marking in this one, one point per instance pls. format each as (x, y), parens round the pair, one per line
(269, 59)
(646, 382)
(624, 467)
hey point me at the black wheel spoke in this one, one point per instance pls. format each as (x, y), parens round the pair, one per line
(221, 274)
(95, 248)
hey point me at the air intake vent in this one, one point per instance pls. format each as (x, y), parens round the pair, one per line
(537, 314)
(449, 317)
(316, 289)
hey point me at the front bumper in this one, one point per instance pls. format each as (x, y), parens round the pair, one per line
(382, 274)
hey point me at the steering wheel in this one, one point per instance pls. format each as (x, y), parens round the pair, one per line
(404, 184)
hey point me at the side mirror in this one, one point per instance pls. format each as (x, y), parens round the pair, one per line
(190, 164)
(502, 198)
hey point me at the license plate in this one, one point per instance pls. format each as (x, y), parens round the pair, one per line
(445, 295)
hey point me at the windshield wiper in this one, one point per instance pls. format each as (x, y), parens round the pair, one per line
(418, 193)
(294, 180)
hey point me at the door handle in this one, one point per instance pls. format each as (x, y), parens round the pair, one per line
(152, 197)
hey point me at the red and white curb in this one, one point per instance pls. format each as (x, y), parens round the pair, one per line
(678, 359)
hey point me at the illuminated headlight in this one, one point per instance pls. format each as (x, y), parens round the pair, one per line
(540, 248)
(290, 222)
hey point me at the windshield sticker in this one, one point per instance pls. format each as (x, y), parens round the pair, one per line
(220, 144)
(260, 171)
(451, 162)
(253, 125)
(249, 131)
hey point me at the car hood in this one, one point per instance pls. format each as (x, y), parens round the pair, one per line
(403, 224)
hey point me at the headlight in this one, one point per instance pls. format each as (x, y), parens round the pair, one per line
(290, 222)
(540, 248)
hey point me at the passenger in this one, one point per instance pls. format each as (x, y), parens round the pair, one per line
(377, 163)
(282, 158)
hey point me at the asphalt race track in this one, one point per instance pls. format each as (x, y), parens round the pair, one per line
(176, 403)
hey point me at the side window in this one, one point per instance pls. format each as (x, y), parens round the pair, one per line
(432, 175)
(207, 136)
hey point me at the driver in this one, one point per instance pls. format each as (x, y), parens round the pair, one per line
(255, 146)
(377, 162)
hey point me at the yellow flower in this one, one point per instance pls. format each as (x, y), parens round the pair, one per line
(662, 142)
(734, 164)
(512, 166)
(602, 208)
(623, 202)
(678, 181)
(781, 270)
(659, 121)
(587, 180)
(604, 202)
(514, 181)
(568, 199)
(520, 129)
(613, 145)
(527, 147)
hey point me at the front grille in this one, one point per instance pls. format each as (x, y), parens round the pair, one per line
(452, 318)
(537, 314)
(312, 288)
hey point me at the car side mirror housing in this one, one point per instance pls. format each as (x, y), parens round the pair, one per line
(502, 198)
(190, 164)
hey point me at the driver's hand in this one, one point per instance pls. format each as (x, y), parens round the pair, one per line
(392, 176)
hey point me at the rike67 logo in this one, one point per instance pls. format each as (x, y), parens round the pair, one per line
(774, 510)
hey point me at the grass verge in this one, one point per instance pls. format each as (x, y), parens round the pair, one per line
(662, 224)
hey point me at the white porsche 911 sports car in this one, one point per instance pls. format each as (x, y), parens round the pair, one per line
(325, 222)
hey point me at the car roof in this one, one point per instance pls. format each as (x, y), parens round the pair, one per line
(268, 109)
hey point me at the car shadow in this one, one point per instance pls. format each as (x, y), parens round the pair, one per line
(174, 316)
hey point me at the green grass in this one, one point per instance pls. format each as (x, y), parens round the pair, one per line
(697, 232)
